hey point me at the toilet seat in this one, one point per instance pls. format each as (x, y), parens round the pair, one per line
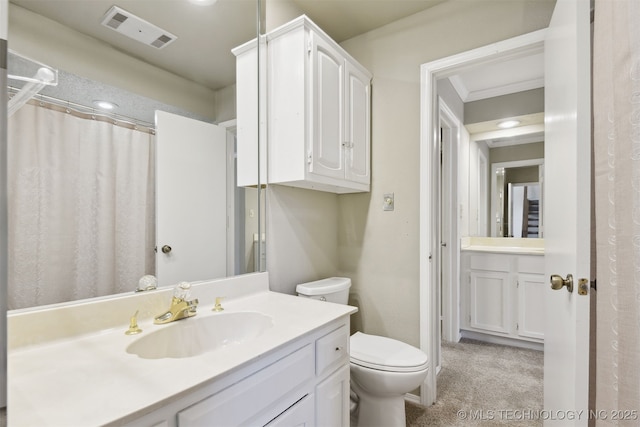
(385, 354)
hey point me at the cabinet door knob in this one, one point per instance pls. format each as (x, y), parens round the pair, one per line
(166, 249)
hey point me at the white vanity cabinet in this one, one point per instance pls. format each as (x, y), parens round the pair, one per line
(304, 383)
(502, 294)
(318, 112)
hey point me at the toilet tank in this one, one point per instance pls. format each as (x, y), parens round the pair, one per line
(333, 289)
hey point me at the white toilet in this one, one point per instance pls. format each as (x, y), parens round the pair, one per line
(383, 370)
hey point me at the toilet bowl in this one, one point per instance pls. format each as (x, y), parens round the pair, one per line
(383, 370)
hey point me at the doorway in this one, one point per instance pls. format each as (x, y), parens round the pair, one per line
(436, 299)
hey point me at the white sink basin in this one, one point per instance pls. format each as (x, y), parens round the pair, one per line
(197, 335)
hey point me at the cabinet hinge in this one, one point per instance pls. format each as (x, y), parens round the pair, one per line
(309, 157)
(309, 47)
(517, 283)
(469, 319)
(517, 327)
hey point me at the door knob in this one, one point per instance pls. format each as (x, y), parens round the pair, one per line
(166, 249)
(557, 282)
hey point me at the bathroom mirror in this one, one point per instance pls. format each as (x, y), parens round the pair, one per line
(517, 190)
(503, 164)
(133, 87)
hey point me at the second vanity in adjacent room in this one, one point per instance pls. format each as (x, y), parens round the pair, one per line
(502, 284)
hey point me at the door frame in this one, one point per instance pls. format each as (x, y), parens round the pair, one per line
(450, 298)
(429, 129)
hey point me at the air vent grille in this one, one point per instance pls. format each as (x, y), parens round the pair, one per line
(161, 41)
(116, 20)
(137, 28)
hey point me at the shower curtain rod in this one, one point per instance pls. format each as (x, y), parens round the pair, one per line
(87, 112)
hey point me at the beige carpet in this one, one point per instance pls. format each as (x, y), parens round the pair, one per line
(484, 385)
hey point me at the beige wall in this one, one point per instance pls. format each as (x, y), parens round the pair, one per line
(379, 249)
(512, 153)
(500, 107)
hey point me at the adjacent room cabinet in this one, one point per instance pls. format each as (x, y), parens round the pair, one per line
(502, 295)
(318, 112)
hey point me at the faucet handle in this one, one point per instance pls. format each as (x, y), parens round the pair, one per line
(133, 325)
(218, 306)
(182, 291)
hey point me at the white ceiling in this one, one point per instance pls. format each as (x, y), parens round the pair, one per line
(503, 78)
(207, 33)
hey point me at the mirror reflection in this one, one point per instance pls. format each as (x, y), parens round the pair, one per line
(506, 172)
(500, 104)
(84, 182)
(516, 195)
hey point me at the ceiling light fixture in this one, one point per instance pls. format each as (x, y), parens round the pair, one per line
(105, 105)
(508, 124)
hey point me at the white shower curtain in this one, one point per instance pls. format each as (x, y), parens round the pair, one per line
(616, 98)
(81, 207)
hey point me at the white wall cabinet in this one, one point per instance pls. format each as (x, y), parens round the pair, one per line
(503, 295)
(251, 166)
(304, 383)
(318, 112)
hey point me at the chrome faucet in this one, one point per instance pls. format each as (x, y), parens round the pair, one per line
(180, 308)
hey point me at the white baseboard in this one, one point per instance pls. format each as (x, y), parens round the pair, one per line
(502, 340)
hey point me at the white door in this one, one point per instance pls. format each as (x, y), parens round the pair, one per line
(567, 209)
(191, 193)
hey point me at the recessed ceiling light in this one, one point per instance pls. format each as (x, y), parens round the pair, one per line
(508, 124)
(105, 105)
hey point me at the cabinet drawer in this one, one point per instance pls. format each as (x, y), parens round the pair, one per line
(271, 391)
(491, 262)
(531, 264)
(332, 350)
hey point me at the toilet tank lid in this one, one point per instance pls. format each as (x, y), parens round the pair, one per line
(324, 286)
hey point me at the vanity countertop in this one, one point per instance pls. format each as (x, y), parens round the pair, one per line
(90, 379)
(504, 245)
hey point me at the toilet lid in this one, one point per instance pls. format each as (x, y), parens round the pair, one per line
(385, 354)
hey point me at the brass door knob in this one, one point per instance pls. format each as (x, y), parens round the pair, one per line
(166, 249)
(557, 282)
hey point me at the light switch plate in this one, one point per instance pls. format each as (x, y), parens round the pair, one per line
(388, 202)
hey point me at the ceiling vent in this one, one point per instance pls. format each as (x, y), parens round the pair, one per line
(136, 28)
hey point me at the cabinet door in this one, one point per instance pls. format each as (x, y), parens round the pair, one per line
(299, 415)
(333, 398)
(489, 301)
(327, 152)
(247, 120)
(531, 304)
(258, 398)
(357, 125)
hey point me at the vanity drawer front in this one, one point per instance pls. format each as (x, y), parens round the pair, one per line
(271, 390)
(531, 264)
(332, 350)
(491, 262)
